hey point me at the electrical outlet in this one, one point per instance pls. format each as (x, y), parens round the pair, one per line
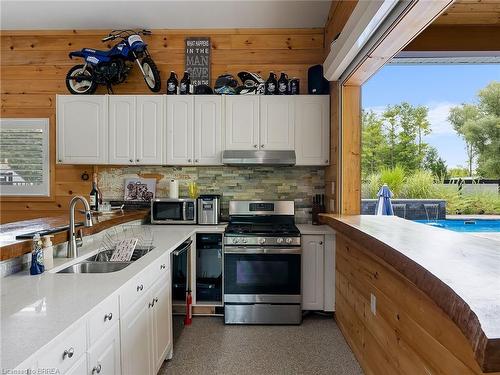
(333, 187)
(373, 304)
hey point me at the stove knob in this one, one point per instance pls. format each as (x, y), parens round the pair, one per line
(262, 241)
(288, 240)
(236, 240)
(244, 240)
(279, 240)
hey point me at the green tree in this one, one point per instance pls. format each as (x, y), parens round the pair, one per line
(435, 164)
(458, 117)
(458, 172)
(373, 143)
(479, 125)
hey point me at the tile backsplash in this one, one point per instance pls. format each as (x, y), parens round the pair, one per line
(233, 183)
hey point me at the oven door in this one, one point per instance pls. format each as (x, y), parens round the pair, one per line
(262, 275)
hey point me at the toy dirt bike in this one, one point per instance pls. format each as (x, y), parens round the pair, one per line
(111, 67)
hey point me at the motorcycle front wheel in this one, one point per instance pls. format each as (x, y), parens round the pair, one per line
(80, 81)
(151, 74)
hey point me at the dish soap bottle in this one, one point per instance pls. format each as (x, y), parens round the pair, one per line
(48, 252)
(37, 266)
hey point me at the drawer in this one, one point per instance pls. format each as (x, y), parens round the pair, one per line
(135, 288)
(65, 351)
(160, 267)
(102, 318)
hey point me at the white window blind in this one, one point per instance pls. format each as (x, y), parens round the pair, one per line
(24, 157)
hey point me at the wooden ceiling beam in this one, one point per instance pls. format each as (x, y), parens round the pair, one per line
(457, 38)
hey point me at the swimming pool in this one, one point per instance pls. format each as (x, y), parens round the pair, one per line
(465, 225)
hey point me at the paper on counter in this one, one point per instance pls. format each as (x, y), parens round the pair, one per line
(124, 250)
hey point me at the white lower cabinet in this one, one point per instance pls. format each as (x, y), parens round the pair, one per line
(318, 272)
(79, 368)
(162, 321)
(104, 356)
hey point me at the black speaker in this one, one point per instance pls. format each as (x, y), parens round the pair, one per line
(316, 83)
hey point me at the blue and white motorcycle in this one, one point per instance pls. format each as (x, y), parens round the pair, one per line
(111, 67)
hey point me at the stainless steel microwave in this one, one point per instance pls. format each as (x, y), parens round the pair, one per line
(173, 211)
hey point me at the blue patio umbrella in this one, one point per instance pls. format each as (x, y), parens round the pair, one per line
(384, 205)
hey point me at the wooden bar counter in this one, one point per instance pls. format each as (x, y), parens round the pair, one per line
(11, 248)
(414, 299)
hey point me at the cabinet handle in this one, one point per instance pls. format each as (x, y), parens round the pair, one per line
(137, 160)
(261, 146)
(321, 242)
(326, 161)
(60, 161)
(196, 160)
(131, 160)
(68, 353)
(162, 267)
(149, 305)
(140, 287)
(189, 160)
(97, 369)
(255, 146)
(108, 316)
(156, 299)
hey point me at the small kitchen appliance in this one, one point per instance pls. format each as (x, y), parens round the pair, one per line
(208, 209)
(262, 264)
(173, 211)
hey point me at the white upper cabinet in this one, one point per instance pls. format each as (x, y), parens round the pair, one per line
(82, 129)
(122, 125)
(194, 130)
(312, 129)
(242, 122)
(208, 130)
(149, 129)
(277, 122)
(180, 129)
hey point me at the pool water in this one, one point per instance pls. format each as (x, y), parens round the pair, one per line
(465, 225)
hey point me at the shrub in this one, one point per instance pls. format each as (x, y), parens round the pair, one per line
(394, 178)
(371, 186)
(419, 185)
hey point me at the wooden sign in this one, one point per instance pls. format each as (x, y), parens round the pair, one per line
(198, 60)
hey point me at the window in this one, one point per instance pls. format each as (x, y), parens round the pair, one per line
(24, 157)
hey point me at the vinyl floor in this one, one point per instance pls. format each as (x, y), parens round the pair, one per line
(210, 347)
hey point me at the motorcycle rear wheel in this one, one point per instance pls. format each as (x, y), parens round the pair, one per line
(85, 86)
(151, 74)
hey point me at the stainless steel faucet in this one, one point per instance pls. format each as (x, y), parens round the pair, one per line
(73, 244)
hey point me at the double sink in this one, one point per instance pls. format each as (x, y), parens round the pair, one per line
(101, 263)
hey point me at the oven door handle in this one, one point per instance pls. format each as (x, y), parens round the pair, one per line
(184, 248)
(261, 250)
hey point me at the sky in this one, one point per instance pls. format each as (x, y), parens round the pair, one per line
(439, 87)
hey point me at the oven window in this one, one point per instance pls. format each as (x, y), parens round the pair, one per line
(261, 273)
(167, 211)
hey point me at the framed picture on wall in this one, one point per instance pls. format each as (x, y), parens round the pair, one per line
(139, 189)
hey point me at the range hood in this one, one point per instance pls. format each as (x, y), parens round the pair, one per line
(258, 157)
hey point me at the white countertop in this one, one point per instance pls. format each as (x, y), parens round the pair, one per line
(36, 309)
(315, 229)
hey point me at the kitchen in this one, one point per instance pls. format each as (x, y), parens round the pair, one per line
(218, 194)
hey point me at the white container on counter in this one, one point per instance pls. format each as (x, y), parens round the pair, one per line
(48, 252)
(173, 192)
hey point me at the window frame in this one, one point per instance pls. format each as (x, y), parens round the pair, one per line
(43, 190)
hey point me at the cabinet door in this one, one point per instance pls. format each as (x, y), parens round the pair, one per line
(162, 320)
(180, 130)
(329, 294)
(149, 129)
(312, 129)
(82, 129)
(207, 130)
(122, 118)
(104, 356)
(242, 122)
(277, 122)
(79, 368)
(136, 338)
(312, 272)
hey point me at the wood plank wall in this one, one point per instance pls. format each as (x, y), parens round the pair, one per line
(337, 18)
(33, 65)
(409, 334)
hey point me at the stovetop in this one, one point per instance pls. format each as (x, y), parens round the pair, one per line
(262, 229)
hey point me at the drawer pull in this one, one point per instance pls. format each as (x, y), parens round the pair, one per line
(162, 267)
(108, 316)
(140, 287)
(97, 369)
(68, 353)
(150, 305)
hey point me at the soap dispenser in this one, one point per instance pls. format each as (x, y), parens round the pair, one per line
(48, 252)
(37, 266)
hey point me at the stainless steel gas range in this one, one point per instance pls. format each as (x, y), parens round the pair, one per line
(262, 264)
